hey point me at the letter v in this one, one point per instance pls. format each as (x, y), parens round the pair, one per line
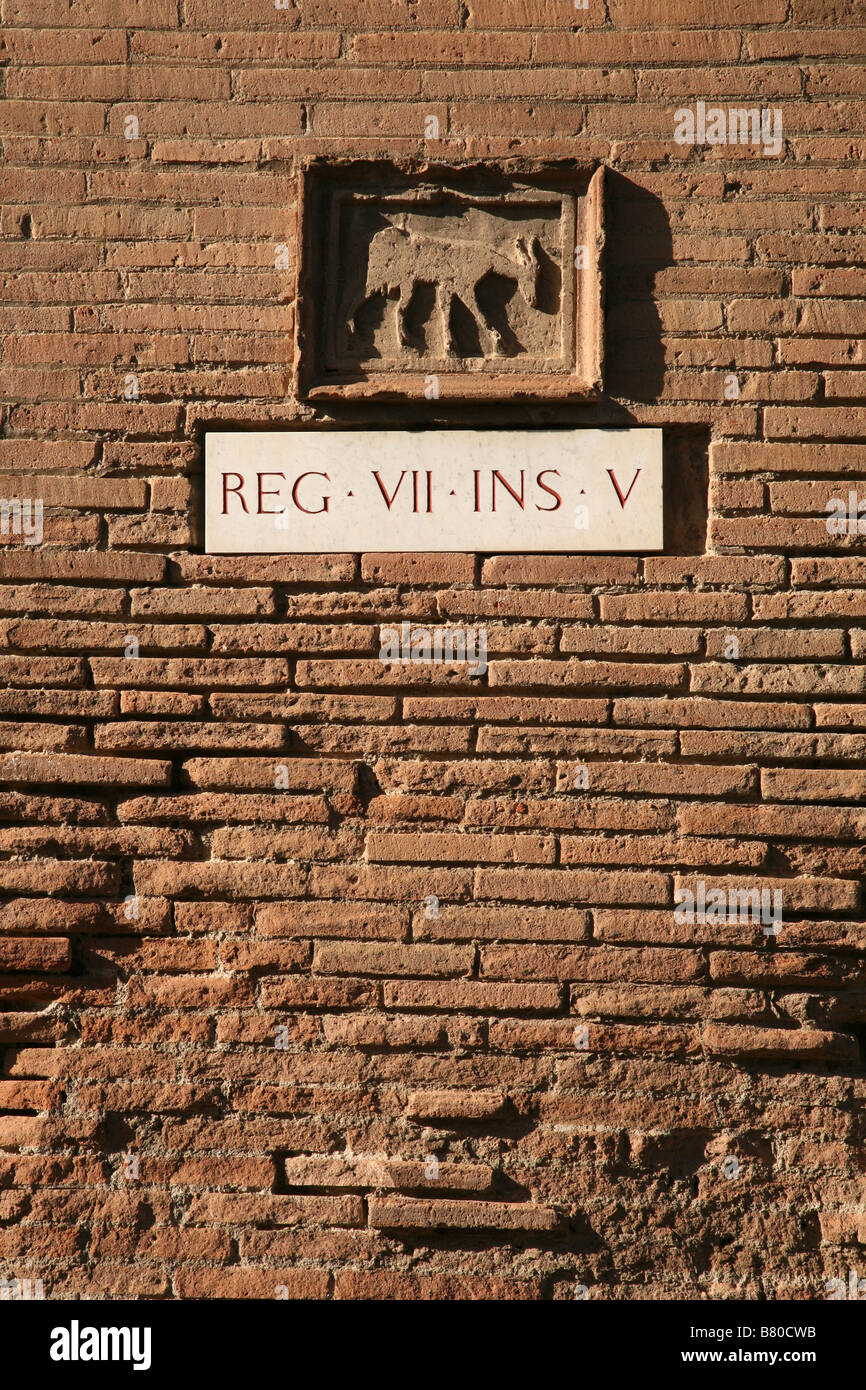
(623, 500)
(384, 490)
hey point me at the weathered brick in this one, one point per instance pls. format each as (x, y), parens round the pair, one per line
(85, 771)
(412, 1212)
(345, 951)
(806, 1044)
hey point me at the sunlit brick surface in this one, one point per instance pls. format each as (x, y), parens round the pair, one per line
(330, 978)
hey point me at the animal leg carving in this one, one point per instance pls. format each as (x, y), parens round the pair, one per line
(492, 342)
(354, 304)
(444, 297)
(403, 303)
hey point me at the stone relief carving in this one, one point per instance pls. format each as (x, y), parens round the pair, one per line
(468, 273)
(442, 274)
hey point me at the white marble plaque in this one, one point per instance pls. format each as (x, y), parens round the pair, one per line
(330, 491)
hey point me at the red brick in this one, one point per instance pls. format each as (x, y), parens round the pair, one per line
(373, 989)
(412, 1212)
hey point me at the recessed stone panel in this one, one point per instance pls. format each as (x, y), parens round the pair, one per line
(474, 282)
(323, 491)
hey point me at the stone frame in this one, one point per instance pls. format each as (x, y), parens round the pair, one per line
(327, 187)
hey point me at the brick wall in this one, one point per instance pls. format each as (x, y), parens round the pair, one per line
(241, 1048)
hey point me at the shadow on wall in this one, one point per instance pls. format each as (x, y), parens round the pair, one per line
(686, 489)
(639, 244)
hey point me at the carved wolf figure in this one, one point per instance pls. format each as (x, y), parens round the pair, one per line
(400, 259)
